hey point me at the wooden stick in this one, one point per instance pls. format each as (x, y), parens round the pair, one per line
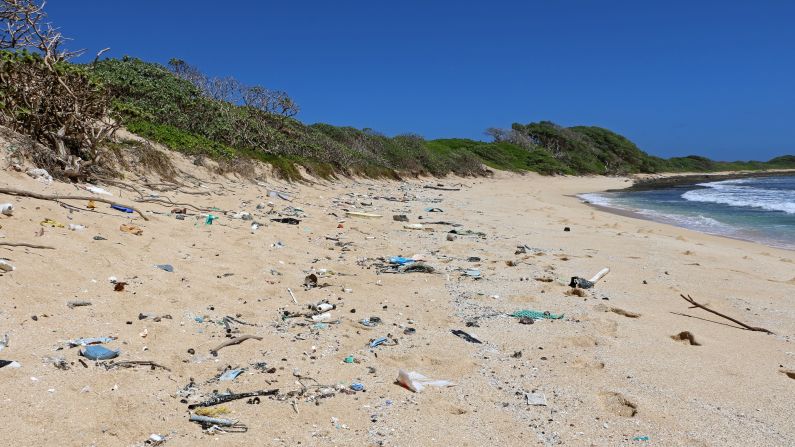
(701, 306)
(233, 341)
(24, 244)
(133, 363)
(57, 197)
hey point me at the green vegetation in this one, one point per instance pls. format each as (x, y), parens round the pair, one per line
(178, 108)
(75, 109)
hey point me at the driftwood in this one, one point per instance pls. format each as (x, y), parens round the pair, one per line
(24, 244)
(132, 364)
(701, 306)
(142, 198)
(233, 341)
(224, 398)
(58, 197)
(441, 188)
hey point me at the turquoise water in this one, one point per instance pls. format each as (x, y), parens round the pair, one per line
(760, 209)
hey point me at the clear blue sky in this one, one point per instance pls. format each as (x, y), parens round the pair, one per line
(677, 77)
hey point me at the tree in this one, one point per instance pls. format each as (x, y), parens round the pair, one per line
(45, 97)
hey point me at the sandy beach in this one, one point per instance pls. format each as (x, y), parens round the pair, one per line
(613, 371)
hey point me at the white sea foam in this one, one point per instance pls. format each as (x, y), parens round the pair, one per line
(736, 193)
(596, 199)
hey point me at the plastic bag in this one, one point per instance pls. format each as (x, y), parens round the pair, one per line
(416, 382)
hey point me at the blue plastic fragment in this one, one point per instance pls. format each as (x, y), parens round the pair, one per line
(98, 352)
(357, 387)
(231, 374)
(122, 208)
(400, 260)
(378, 341)
(641, 438)
(167, 267)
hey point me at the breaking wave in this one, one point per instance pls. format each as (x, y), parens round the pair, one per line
(738, 193)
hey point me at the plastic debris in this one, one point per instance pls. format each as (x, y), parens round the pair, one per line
(78, 303)
(371, 322)
(378, 341)
(287, 220)
(166, 267)
(433, 210)
(231, 374)
(278, 194)
(132, 229)
(416, 267)
(400, 218)
(210, 219)
(582, 283)
(399, 260)
(97, 190)
(76, 227)
(363, 215)
(51, 223)
(6, 209)
(536, 398)
(90, 341)
(641, 438)
(98, 352)
(536, 315)
(357, 387)
(416, 382)
(123, 209)
(473, 273)
(6, 266)
(465, 336)
(9, 363)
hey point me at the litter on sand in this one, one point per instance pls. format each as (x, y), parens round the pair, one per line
(132, 229)
(536, 315)
(89, 341)
(362, 215)
(98, 352)
(536, 398)
(465, 336)
(582, 283)
(416, 382)
(287, 220)
(123, 209)
(166, 267)
(231, 374)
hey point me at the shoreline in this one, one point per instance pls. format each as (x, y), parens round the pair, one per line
(681, 180)
(672, 180)
(636, 215)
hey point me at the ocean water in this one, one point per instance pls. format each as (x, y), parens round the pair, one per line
(760, 209)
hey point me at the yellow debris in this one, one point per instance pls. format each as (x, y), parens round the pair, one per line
(51, 223)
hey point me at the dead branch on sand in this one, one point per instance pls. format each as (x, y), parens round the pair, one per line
(701, 306)
(24, 244)
(233, 341)
(59, 197)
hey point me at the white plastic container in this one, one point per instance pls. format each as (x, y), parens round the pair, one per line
(7, 208)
